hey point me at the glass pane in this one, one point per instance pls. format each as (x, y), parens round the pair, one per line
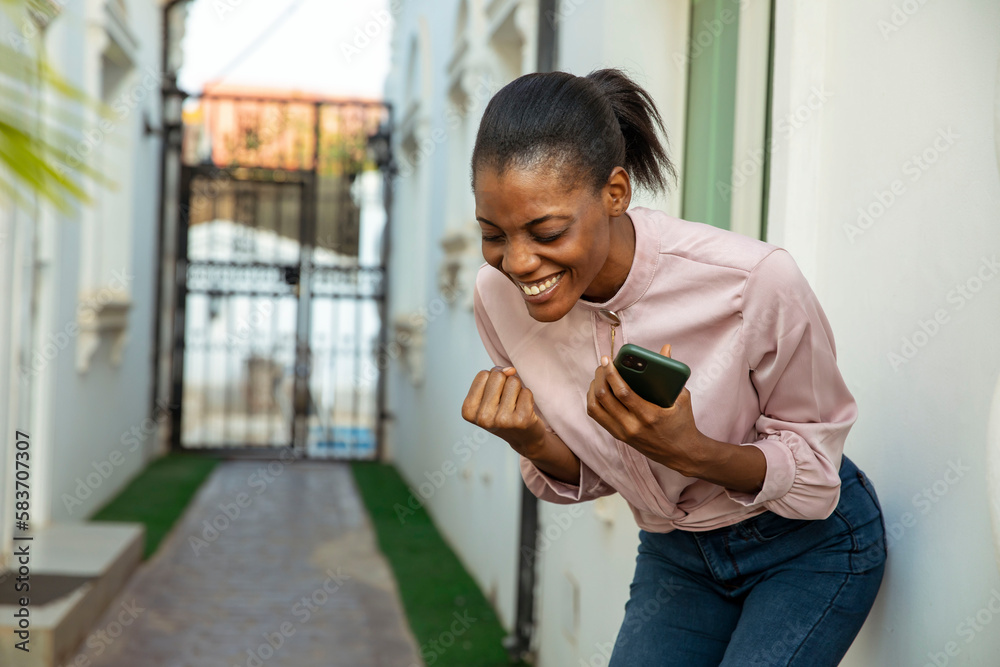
(711, 111)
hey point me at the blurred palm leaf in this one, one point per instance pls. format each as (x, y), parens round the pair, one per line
(31, 160)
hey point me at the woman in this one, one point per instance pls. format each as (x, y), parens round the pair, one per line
(760, 543)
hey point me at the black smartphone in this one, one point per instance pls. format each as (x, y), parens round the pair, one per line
(652, 376)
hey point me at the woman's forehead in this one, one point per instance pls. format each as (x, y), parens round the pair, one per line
(546, 179)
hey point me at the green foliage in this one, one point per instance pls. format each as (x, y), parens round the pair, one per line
(31, 161)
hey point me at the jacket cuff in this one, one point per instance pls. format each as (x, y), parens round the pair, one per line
(546, 487)
(779, 477)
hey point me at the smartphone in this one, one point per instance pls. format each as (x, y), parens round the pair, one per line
(652, 376)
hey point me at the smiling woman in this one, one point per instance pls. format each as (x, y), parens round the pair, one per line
(533, 188)
(756, 443)
(544, 237)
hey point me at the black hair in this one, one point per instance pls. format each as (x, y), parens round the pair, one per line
(584, 126)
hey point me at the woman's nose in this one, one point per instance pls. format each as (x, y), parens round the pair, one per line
(519, 260)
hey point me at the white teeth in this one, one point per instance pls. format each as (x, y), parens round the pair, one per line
(538, 289)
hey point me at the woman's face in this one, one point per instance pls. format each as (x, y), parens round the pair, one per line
(555, 244)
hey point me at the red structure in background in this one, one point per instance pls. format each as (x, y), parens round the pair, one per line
(240, 126)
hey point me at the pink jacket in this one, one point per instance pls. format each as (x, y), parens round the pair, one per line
(763, 373)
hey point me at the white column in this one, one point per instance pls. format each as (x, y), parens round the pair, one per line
(800, 35)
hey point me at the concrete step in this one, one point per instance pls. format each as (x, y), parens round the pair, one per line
(75, 570)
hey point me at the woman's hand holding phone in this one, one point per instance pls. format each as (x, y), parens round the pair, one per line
(667, 435)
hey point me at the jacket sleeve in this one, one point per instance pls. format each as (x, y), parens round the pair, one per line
(543, 486)
(806, 410)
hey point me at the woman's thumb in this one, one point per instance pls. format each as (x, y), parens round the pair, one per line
(665, 350)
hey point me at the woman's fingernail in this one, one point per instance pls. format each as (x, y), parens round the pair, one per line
(604, 361)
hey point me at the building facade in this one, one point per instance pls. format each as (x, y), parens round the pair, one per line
(78, 286)
(860, 136)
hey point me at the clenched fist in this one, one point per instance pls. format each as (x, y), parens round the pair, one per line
(499, 403)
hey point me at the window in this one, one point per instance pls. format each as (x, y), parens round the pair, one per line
(726, 156)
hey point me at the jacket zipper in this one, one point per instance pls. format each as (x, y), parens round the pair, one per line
(614, 321)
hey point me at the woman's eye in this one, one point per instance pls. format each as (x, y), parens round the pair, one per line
(548, 238)
(490, 239)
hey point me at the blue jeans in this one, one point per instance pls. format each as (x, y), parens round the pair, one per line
(766, 591)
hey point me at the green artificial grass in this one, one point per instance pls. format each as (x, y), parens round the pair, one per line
(435, 587)
(158, 495)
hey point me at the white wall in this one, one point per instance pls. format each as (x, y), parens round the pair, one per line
(80, 418)
(892, 94)
(16, 235)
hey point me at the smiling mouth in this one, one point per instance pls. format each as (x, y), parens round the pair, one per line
(534, 289)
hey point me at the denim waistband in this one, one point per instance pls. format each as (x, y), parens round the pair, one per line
(851, 539)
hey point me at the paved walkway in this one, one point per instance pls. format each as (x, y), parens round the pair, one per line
(267, 567)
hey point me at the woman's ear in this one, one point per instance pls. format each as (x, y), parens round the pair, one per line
(617, 192)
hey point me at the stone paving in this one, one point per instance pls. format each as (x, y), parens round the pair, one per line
(272, 564)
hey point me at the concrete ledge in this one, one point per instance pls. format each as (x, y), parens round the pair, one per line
(106, 553)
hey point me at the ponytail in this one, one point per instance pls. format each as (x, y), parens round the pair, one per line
(583, 126)
(646, 159)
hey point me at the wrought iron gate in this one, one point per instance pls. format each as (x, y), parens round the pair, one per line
(280, 294)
